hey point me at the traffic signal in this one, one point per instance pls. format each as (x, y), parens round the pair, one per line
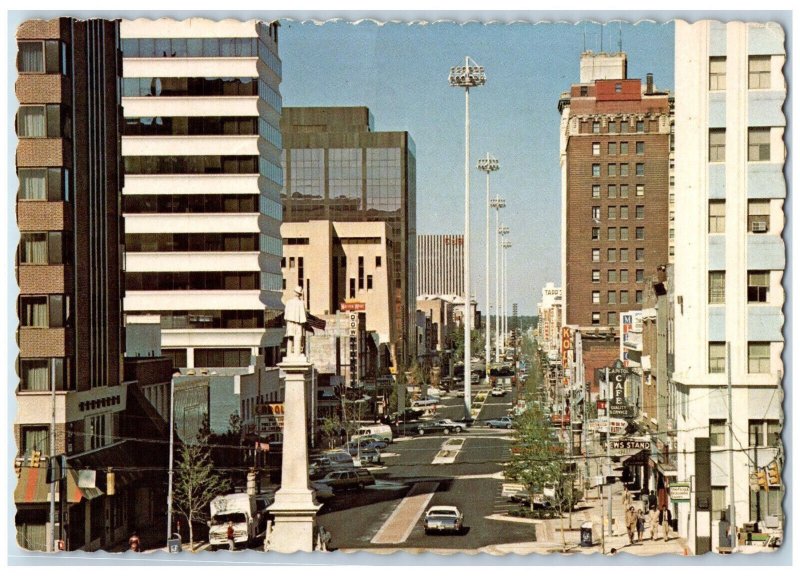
(773, 474)
(35, 456)
(762, 478)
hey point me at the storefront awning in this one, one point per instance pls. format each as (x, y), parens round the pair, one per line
(639, 459)
(32, 488)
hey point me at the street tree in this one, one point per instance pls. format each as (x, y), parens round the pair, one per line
(330, 429)
(196, 483)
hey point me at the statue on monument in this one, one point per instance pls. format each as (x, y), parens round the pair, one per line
(295, 316)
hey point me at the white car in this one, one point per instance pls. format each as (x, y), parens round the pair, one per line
(321, 490)
(443, 519)
(498, 392)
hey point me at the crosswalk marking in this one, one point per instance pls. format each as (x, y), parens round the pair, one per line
(399, 525)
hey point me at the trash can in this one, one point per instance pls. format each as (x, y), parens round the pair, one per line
(586, 535)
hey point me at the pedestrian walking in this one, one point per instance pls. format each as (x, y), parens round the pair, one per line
(665, 519)
(134, 544)
(627, 498)
(630, 522)
(230, 535)
(653, 523)
(652, 501)
(639, 526)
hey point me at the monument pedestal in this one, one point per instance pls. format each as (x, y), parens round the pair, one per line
(294, 508)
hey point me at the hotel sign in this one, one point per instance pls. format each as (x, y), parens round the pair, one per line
(352, 306)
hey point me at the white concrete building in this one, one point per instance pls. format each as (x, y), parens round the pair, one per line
(549, 313)
(201, 146)
(729, 263)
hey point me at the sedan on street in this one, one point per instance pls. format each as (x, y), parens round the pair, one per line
(440, 519)
(504, 422)
(445, 426)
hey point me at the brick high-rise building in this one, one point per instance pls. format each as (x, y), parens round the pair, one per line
(615, 147)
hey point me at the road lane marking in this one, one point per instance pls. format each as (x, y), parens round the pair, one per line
(399, 525)
(449, 450)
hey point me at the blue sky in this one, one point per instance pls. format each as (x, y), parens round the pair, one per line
(400, 72)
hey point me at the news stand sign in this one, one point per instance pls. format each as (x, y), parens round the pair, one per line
(617, 376)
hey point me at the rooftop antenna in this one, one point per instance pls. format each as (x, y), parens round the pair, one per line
(601, 37)
(620, 36)
(584, 36)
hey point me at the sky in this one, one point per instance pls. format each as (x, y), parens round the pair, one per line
(400, 72)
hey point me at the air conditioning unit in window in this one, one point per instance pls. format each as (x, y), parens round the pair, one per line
(759, 227)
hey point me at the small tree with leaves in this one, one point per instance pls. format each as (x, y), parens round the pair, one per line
(196, 483)
(331, 426)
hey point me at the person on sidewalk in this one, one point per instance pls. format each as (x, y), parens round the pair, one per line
(640, 526)
(652, 501)
(230, 535)
(630, 522)
(665, 519)
(627, 498)
(134, 544)
(653, 522)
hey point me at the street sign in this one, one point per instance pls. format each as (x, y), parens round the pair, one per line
(630, 444)
(679, 491)
(174, 545)
(352, 306)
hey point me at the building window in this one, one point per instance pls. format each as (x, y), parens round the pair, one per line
(719, 503)
(369, 281)
(612, 319)
(612, 190)
(623, 170)
(595, 276)
(640, 212)
(623, 148)
(758, 144)
(640, 125)
(612, 297)
(360, 272)
(640, 169)
(623, 233)
(758, 216)
(97, 431)
(758, 70)
(612, 212)
(623, 212)
(43, 121)
(716, 216)
(595, 148)
(48, 57)
(639, 296)
(612, 255)
(716, 73)
(623, 297)
(596, 170)
(716, 287)
(640, 189)
(596, 213)
(758, 357)
(639, 275)
(595, 297)
(595, 318)
(640, 232)
(716, 145)
(595, 254)
(51, 184)
(595, 127)
(716, 357)
(41, 248)
(352, 287)
(764, 433)
(639, 254)
(612, 127)
(612, 146)
(612, 276)
(378, 262)
(35, 439)
(623, 276)
(623, 254)
(717, 431)
(618, 87)
(51, 311)
(758, 286)
(623, 190)
(612, 170)
(612, 234)
(640, 148)
(595, 190)
(595, 233)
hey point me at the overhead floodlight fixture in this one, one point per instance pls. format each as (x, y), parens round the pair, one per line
(489, 164)
(471, 74)
(497, 202)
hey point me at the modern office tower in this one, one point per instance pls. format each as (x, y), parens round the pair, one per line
(615, 145)
(338, 168)
(68, 269)
(440, 264)
(549, 314)
(201, 148)
(729, 265)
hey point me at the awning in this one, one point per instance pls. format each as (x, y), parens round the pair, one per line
(32, 488)
(641, 458)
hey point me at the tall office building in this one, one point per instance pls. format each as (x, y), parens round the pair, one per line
(337, 168)
(615, 145)
(440, 264)
(68, 268)
(729, 264)
(201, 147)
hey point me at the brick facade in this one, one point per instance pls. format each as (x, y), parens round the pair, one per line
(40, 216)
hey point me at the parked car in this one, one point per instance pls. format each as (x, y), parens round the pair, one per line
(369, 456)
(445, 426)
(504, 422)
(348, 479)
(322, 491)
(328, 462)
(497, 391)
(443, 519)
(355, 447)
(407, 414)
(382, 431)
(424, 402)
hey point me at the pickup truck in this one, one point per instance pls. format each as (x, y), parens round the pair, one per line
(504, 422)
(444, 426)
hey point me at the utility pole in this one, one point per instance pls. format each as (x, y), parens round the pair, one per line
(171, 449)
(731, 485)
(608, 453)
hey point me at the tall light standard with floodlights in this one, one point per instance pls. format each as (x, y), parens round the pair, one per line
(502, 231)
(497, 203)
(466, 77)
(489, 164)
(506, 244)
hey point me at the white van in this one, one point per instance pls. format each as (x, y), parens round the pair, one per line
(382, 431)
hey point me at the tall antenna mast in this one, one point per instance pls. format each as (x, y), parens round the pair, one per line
(620, 37)
(601, 37)
(584, 36)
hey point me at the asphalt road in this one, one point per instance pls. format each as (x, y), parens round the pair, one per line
(472, 482)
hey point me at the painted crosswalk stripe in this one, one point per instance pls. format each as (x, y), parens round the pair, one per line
(399, 525)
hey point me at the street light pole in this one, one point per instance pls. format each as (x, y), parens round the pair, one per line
(488, 165)
(502, 231)
(171, 446)
(465, 77)
(497, 203)
(506, 244)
